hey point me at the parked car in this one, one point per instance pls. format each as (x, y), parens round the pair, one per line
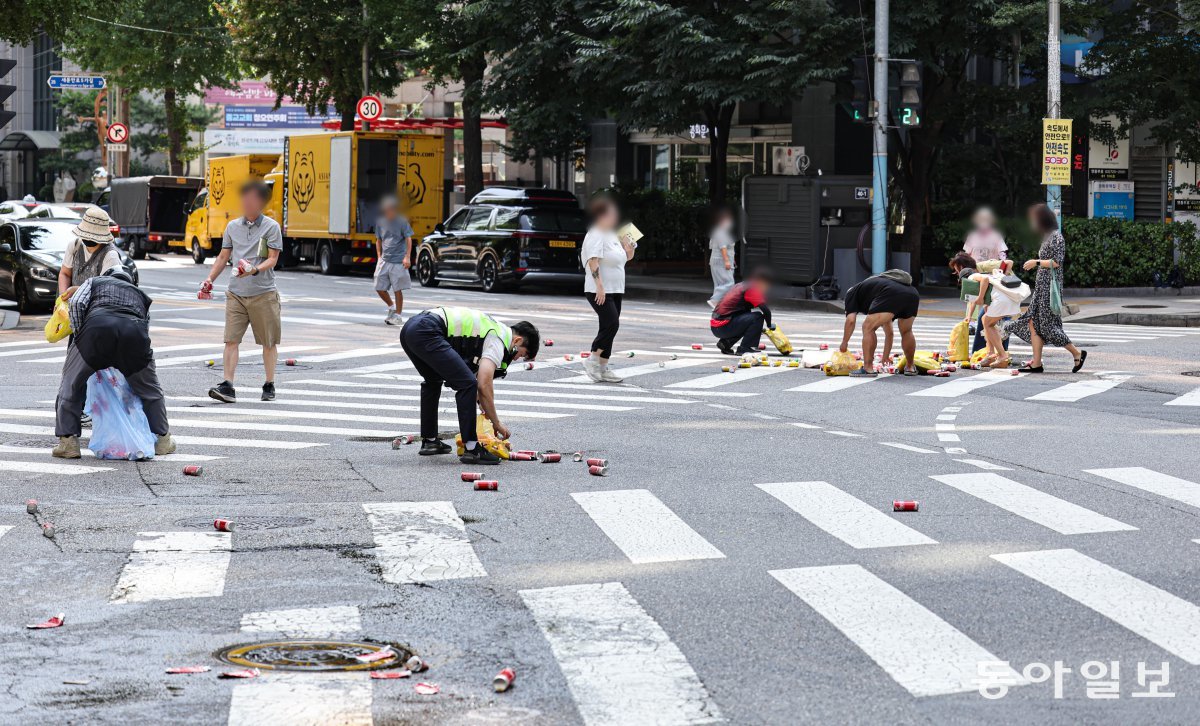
(506, 236)
(16, 209)
(31, 253)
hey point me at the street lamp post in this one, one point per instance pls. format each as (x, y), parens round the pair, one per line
(1054, 95)
(879, 151)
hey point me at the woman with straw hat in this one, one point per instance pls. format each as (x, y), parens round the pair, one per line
(91, 252)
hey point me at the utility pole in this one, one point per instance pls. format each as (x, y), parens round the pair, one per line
(1054, 96)
(366, 125)
(879, 151)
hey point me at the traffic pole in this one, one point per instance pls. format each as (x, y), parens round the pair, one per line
(879, 151)
(366, 80)
(1054, 96)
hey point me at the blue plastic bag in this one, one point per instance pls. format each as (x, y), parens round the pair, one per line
(120, 429)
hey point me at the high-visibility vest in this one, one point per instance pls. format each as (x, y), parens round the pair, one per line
(466, 330)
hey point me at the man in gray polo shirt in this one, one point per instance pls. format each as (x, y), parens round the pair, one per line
(253, 240)
(393, 246)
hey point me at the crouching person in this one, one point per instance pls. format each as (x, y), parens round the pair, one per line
(110, 319)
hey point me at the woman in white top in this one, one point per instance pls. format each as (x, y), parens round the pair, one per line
(604, 257)
(1005, 305)
(721, 259)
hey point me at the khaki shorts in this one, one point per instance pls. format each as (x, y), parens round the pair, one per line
(260, 312)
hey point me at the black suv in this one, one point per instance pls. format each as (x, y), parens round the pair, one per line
(504, 236)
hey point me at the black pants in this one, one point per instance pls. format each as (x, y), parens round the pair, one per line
(610, 320)
(748, 326)
(424, 339)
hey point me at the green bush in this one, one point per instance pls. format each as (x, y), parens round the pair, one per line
(675, 224)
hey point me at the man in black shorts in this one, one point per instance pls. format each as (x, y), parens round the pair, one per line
(882, 299)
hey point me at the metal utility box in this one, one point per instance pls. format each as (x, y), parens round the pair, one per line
(794, 223)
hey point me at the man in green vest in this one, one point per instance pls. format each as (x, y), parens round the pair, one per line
(467, 350)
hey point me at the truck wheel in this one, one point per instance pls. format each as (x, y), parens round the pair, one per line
(197, 252)
(325, 260)
(137, 248)
(426, 272)
(489, 274)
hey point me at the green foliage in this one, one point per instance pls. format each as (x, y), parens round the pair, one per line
(675, 224)
(24, 20)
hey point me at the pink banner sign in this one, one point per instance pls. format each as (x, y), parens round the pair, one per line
(247, 93)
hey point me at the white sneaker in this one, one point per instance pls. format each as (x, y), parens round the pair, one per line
(608, 376)
(592, 368)
(393, 318)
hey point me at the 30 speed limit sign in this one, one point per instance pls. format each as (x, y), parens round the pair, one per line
(118, 133)
(370, 108)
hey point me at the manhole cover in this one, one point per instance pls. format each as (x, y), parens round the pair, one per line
(1143, 307)
(246, 523)
(1192, 373)
(35, 443)
(312, 655)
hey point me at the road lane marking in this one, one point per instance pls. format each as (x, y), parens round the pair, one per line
(1169, 622)
(1191, 398)
(174, 565)
(724, 379)
(4, 529)
(847, 434)
(844, 516)
(983, 464)
(189, 440)
(620, 665)
(400, 365)
(355, 353)
(1181, 490)
(43, 467)
(257, 409)
(63, 356)
(642, 370)
(962, 386)
(1072, 392)
(832, 384)
(302, 699)
(906, 447)
(364, 406)
(216, 356)
(502, 391)
(304, 622)
(186, 423)
(421, 542)
(644, 528)
(1032, 504)
(917, 648)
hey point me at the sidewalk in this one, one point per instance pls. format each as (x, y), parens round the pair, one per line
(1141, 306)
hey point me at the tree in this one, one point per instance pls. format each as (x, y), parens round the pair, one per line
(312, 51)
(174, 47)
(668, 64)
(26, 19)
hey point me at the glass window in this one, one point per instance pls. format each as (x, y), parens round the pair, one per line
(456, 221)
(198, 201)
(50, 237)
(478, 219)
(6, 235)
(506, 218)
(554, 220)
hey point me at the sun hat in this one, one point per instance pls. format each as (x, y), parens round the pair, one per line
(94, 227)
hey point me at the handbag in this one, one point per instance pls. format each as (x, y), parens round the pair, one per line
(1056, 304)
(1011, 281)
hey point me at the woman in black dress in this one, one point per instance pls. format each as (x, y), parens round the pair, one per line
(1039, 325)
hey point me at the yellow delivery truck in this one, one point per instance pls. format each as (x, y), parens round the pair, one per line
(333, 185)
(218, 202)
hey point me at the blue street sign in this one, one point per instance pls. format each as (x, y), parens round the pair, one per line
(76, 83)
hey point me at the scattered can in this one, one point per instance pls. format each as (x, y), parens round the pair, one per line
(824, 346)
(568, 357)
(193, 470)
(528, 365)
(188, 669)
(223, 525)
(53, 622)
(375, 657)
(629, 354)
(290, 362)
(762, 346)
(244, 673)
(202, 295)
(389, 675)
(744, 364)
(415, 664)
(404, 440)
(577, 456)
(31, 506)
(548, 343)
(793, 364)
(597, 462)
(940, 374)
(598, 470)
(522, 456)
(534, 454)
(485, 485)
(504, 680)
(951, 368)
(471, 476)
(906, 505)
(48, 530)
(584, 354)
(551, 458)
(674, 356)
(697, 346)
(1015, 373)
(662, 364)
(210, 363)
(727, 369)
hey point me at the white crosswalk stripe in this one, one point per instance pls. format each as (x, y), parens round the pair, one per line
(1032, 504)
(158, 351)
(44, 467)
(957, 387)
(1166, 620)
(844, 516)
(833, 384)
(620, 665)
(174, 565)
(917, 648)
(317, 622)
(189, 440)
(421, 542)
(199, 423)
(643, 370)
(4, 529)
(644, 528)
(261, 408)
(724, 379)
(1191, 398)
(364, 406)
(1148, 480)
(1077, 390)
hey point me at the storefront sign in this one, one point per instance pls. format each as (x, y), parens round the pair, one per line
(265, 117)
(248, 93)
(248, 141)
(1107, 161)
(1056, 151)
(1111, 200)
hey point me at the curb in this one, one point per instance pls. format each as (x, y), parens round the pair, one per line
(1173, 320)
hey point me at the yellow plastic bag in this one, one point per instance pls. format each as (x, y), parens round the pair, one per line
(59, 324)
(779, 340)
(840, 364)
(487, 439)
(979, 355)
(960, 342)
(923, 361)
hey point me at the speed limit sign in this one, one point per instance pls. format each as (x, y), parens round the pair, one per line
(370, 108)
(118, 133)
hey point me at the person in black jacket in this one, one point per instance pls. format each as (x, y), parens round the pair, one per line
(110, 321)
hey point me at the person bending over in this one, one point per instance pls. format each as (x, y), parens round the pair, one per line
(882, 299)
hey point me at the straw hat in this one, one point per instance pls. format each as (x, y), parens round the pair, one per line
(94, 227)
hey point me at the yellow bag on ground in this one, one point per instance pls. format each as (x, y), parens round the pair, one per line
(979, 355)
(840, 364)
(960, 342)
(487, 439)
(779, 340)
(923, 361)
(59, 324)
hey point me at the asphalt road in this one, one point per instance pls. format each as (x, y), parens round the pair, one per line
(740, 562)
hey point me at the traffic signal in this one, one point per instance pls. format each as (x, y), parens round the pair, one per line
(909, 109)
(861, 108)
(6, 66)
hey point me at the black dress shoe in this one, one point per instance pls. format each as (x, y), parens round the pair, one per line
(479, 455)
(1079, 361)
(1031, 369)
(433, 447)
(725, 346)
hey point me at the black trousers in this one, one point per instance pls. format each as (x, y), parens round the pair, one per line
(748, 326)
(424, 339)
(610, 320)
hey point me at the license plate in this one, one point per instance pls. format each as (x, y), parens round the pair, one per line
(567, 243)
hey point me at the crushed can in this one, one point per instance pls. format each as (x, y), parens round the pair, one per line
(1015, 373)
(485, 485)
(762, 346)
(48, 530)
(389, 675)
(31, 506)
(568, 358)
(697, 346)
(244, 673)
(534, 454)
(939, 374)
(549, 343)
(223, 525)
(727, 369)
(504, 680)
(906, 505)
(376, 656)
(404, 440)
(415, 664)
(551, 458)
(188, 669)
(210, 363)
(597, 462)
(193, 470)
(793, 364)
(527, 365)
(54, 622)
(824, 346)
(470, 476)
(598, 470)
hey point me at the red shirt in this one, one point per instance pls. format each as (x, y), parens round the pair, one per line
(741, 298)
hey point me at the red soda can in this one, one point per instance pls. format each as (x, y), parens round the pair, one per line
(762, 346)
(1015, 373)
(521, 456)
(222, 525)
(902, 505)
(290, 362)
(824, 346)
(534, 454)
(403, 440)
(528, 365)
(31, 506)
(597, 462)
(584, 354)
(485, 485)
(471, 476)
(504, 680)
(381, 654)
(950, 368)
(48, 530)
(697, 346)
(598, 470)
(549, 343)
(940, 374)
(193, 470)
(551, 458)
